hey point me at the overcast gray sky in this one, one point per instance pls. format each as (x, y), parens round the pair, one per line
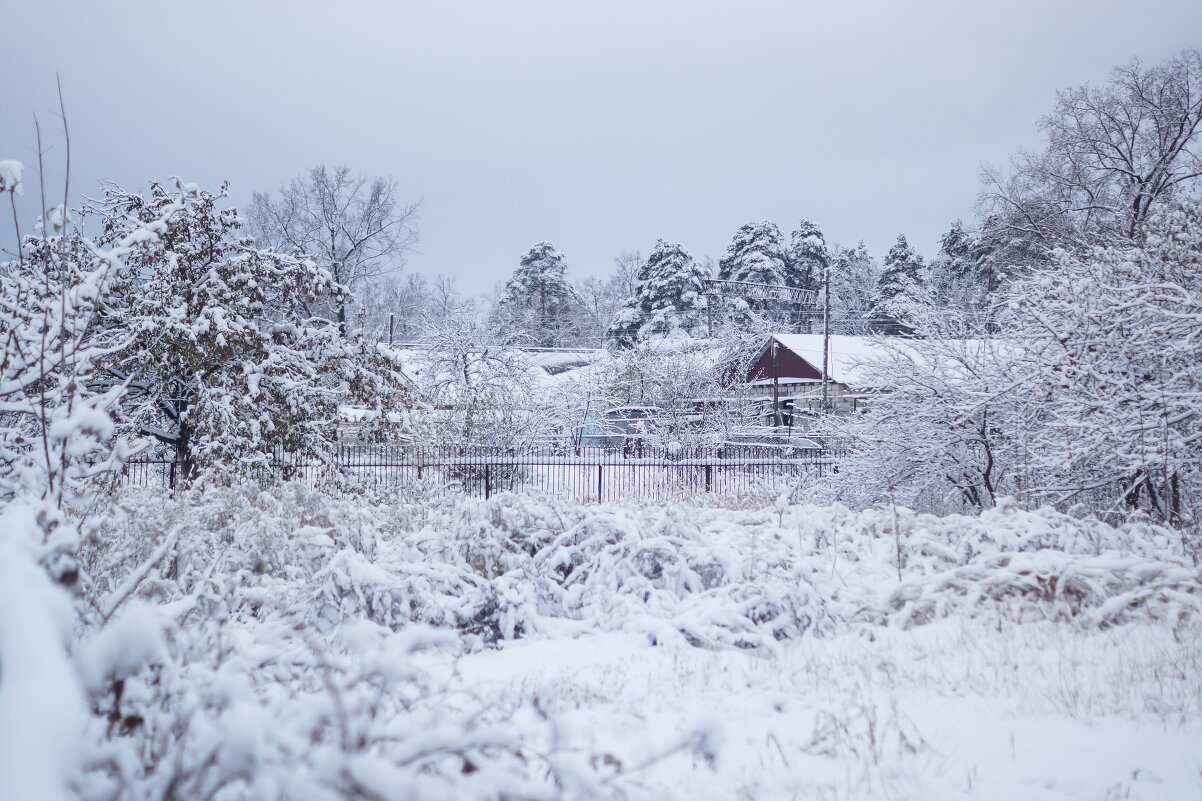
(597, 126)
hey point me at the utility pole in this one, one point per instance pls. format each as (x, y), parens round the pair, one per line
(804, 298)
(826, 335)
(775, 387)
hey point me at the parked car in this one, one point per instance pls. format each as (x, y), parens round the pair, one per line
(618, 427)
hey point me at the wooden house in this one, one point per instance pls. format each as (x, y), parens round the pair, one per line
(785, 376)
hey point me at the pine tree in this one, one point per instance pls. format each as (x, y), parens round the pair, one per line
(538, 305)
(215, 343)
(809, 259)
(902, 273)
(669, 297)
(756, 255)
(960, 276)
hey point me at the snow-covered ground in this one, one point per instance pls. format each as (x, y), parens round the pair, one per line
(291, 645)
(952, 710)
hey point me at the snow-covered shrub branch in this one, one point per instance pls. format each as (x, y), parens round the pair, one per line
(56, 437)
(520, 566)
(248, 644)
(945, 432)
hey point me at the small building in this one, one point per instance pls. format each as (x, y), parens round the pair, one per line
(789, 368)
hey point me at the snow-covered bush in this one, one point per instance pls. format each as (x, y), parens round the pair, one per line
(250, 645)
(55, 445)
(244, 643)
(520, 566)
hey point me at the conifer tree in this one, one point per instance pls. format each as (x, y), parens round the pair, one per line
(808, 256)
(902, 274)
(669, 297)
(537, 305)
(809, 259)
(756, 255)
(961, 276)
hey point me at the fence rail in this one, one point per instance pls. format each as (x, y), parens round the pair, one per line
(581, 474)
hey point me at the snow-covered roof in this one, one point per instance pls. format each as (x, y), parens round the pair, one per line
(845, 359)
(548, 361)
(849, 358)
(561, 360)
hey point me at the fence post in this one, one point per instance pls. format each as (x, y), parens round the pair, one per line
(487, 482)
(599, 497)
(709, 478)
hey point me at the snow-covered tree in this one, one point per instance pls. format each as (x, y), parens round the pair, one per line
(1091, 397)
(400, 301)
(853, 278)
(757, 255)
(408, 302)
(1113, 154)
(1113, 338)
(902, 274)
(684, 380)
(627, 266)
(537, 304)
(477, 389)
(669, 297)
(216, 345)
(601, 298)
(56, 426)
(353, 226)
(808, 257)
(961, 275)
(939, 437)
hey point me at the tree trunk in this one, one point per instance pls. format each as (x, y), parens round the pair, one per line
(188, 469)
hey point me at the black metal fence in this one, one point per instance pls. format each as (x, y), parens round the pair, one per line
(581, 474)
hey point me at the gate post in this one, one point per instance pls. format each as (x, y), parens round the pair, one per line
(599, 484)
(709, 477)
(487, 482)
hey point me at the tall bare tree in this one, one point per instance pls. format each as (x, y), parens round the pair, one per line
(626, 270)
(354, 226)
(1113, 154)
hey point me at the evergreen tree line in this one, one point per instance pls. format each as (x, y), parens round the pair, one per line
(665, 294)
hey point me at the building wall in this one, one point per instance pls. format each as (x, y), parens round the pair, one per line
(788, 365)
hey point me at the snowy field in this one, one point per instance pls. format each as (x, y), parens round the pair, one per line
(264, 645)
(953, 710)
